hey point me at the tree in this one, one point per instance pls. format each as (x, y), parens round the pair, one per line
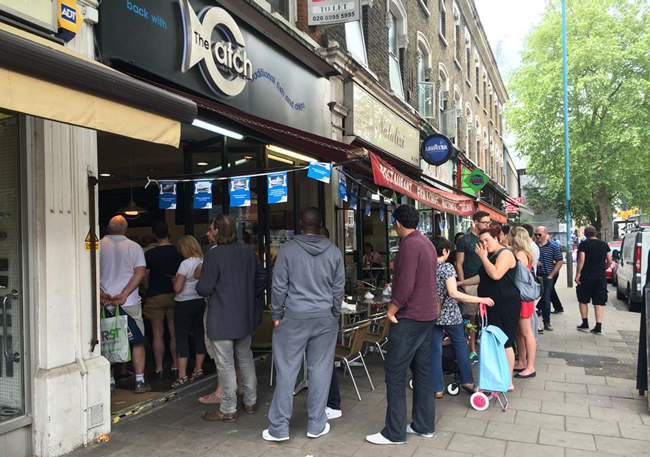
(608, 45)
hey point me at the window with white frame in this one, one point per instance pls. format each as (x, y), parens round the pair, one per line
(284, 8)
(443, 88)
(491, 104)
(477, 151)
(397, 40)
(485, 103)
(458, 44)
(442, 19)
(468, 55)
(355, 43)
(477, 74)
(485, 149)
(426, 88)
(468, 130)
(458, 107)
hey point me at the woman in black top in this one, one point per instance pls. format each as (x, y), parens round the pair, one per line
(495, 281)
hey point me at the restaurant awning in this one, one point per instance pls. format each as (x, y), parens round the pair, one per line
(387, 176)
(44, 79)
(495, 215)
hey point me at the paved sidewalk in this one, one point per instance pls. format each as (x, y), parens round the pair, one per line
(582, 403)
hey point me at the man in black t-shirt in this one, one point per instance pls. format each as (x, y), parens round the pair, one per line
(162, 264)
(594, 257)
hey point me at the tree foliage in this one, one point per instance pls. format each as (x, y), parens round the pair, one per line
(608, 49)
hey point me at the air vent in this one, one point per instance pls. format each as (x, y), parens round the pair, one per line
(96, 415)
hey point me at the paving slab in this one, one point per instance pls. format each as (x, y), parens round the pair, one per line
(512, 432)
(540, 420)
(533, 450)
(592, 426)
(477, 445)
(587, 399)
(567, 439)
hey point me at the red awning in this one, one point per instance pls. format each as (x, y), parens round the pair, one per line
(496, 216)
(387, 176)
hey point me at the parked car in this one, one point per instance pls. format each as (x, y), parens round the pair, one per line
(615, 247)
(632, 262)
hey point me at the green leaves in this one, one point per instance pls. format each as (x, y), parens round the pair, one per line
(608, 46)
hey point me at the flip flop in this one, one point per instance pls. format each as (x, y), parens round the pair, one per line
(210, 399)
(469, 388)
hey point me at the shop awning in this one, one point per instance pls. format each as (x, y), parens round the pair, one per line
(495, 215)
(387, 176)
(43, 79)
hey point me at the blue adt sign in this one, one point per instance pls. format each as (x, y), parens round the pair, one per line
(436, 149)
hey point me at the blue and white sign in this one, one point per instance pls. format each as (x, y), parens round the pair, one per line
(167, 195)
(436, 149)
(320, 171)
(202, 194)
(382, 210)
(354, 192)
(240, 191)
(368, 203)
(343, 188)
(277, 184)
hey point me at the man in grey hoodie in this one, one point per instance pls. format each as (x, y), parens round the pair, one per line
(308, 284)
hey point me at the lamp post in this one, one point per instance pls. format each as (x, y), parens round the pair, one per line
(569, 253)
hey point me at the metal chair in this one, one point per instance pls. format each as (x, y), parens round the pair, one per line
(352, 353)
(380, 337)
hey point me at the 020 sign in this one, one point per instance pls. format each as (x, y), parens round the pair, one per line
(224, 64)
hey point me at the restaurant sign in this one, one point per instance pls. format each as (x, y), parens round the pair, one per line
(373, 122)
(387, 176)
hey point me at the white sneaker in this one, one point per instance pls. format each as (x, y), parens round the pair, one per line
(333, 413)
(325, 431)
(268, 437)
(378, 438)
(423, 435)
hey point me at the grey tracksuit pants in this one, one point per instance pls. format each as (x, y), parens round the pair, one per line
(291, 338)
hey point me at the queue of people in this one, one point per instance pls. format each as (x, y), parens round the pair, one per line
(431, 298)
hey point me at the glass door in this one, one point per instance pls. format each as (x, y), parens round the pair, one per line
(12, 391)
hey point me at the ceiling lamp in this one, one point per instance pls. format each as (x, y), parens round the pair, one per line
(131, 210)
(288, 153)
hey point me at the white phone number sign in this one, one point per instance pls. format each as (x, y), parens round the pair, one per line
(324, 12)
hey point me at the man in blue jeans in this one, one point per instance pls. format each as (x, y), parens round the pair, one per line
(550, 262)
(412, 312)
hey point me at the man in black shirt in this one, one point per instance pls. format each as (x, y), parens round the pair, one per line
(594, 257)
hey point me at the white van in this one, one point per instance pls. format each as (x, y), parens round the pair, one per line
(632, 266)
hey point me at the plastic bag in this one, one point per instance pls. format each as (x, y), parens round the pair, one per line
(115, 337)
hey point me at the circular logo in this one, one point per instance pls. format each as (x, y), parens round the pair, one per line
(436, 149)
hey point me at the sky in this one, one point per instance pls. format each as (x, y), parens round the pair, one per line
(506, 23)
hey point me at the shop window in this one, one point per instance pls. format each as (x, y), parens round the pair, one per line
(355, 42)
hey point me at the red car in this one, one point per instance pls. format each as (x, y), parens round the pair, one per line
(610, 273)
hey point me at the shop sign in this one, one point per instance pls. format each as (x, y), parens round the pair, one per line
(476, 180)
(495, 215)
(167, 199)
(343, 188)
(323, 12)
(41, 13)
(368, 206)
(387, 176)
(510, 208)
(436, 149)
(354, 195)
(380, 126)
(224, 63)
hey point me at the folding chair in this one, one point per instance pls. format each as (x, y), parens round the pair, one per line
(352, 353)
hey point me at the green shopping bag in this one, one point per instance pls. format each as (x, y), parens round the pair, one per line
(115, 337)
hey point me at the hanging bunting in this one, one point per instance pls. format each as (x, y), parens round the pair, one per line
(368, 203)
(240, 191)
(382, 209)
(443, 224)
(277, 184)
(343, 188)
(167, 198)
(202, 194)
(354, 192)
(320, 171)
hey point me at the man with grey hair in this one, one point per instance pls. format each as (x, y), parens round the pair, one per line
(121, 269)
(594, 257)
(550, 262)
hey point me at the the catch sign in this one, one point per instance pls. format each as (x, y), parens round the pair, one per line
(436, 149)
(476, 180)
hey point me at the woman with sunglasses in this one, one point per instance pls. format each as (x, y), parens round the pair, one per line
(498, 266)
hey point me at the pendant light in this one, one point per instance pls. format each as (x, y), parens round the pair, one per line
(131, 210)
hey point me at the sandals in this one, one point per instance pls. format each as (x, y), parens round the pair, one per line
(180, 382)
(197, 375)
(211, 398)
